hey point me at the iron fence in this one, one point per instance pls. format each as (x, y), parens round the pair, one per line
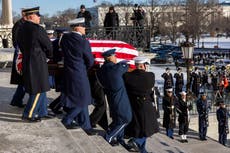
(139, 37)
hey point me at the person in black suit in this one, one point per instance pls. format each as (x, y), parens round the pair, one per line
(36, 48)
(78, 58)
(140, 85)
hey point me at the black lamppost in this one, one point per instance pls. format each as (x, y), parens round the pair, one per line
(187, 49)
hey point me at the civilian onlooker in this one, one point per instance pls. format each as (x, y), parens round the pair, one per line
(85, 14)
(111, 22)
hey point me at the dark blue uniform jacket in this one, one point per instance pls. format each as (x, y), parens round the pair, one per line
(78, 58)
(110, 76)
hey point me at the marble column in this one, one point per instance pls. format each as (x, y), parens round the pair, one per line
(7, 18)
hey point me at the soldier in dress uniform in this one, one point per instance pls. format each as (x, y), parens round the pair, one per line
(183, 110)
(222, 118)
(58, 58)
(144, 122)
(169, 119)
(168, 79)
(16, 78)
(179, 81)
(203, 110)
(36, 48)
(99, 115)
(110, 77)
(196, 81)
(78, 58)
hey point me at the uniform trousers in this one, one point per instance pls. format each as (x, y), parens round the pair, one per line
(36, 106)
(169, 132)
(202, 128)
(223, 138)
(78, 114)
(183, 128)
(141, 144)
(115, 132)
(18, 96)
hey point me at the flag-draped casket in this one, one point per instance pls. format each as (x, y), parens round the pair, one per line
(124, 51)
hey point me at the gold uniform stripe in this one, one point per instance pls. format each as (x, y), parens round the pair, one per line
(34, 104)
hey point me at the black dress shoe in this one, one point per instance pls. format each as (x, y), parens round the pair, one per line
(46, 117)
(114, 143)
(133, 146)
(172, 137)
(186, 141)
(91, 132)
(57, 111)
(31, 120)
(19, 105)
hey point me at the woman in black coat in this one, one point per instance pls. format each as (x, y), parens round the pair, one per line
(111, 22)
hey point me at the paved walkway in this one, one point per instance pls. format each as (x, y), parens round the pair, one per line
(50, 136)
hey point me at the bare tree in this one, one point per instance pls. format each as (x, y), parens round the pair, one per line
(171, 20)
(197, 17)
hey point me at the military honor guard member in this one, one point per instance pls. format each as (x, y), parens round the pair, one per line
(99, 115)
(36, 48)
(179, 81)
(111, 78)
(144, 122)
(183, 110)
(78, 58)
(203, 110)
(195, 80)
(168, 79)
(222, 118)
(169, 119)
(16, 76)
(58, 58)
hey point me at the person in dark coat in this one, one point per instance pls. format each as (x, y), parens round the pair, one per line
(222, 118)
(195, 80)
(144, 122)
(87, 15)
(78, 58)
(58, 59)
(169, 119)
(16, 77)
(36, 48)
(183, 110)
(179, 81)
(203, 110)
(111, 21)
(110, 77)
(99, 115)
(168, 79)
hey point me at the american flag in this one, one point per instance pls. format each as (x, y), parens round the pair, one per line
(124, 51)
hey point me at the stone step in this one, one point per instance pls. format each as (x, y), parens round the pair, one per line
(84, 141)
(104, 145)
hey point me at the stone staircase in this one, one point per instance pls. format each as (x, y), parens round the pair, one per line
(50, 136)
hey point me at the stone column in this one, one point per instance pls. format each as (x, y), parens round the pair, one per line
(7, 18)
